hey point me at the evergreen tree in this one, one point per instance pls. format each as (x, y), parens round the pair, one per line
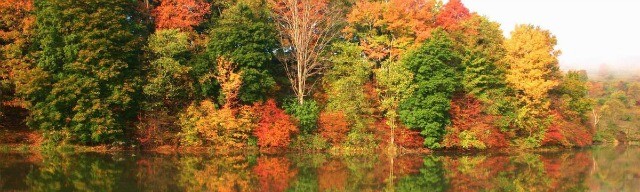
(86, 74)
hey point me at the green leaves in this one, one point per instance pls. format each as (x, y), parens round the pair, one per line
(247, 37)
(434, 67)
(86, 68)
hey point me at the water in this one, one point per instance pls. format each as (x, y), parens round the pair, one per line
(598, 169)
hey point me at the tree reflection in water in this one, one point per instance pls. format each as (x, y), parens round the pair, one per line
(599, 169)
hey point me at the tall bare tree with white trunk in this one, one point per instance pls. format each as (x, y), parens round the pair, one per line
(306, 28)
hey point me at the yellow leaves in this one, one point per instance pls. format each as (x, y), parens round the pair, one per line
(229, 80)
(533, 64)
(225, 128)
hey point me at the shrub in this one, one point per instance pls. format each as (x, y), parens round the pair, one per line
(333, 126)
(306, 114)
(275, 127)
(224, 128)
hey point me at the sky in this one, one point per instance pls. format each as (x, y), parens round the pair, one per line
(589, 32)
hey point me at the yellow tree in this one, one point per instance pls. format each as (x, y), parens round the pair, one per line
(230, 82)
(532, 72)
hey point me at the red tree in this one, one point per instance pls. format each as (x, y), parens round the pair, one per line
(452, 14)
(466, 115)
(333, 126)
(274, 126)
(180, 14)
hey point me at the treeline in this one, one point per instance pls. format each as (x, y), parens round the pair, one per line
(310, 74)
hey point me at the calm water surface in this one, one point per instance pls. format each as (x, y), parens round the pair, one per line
(598, 169)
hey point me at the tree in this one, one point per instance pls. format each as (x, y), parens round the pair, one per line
(180, 14)
(532, 73)
(247, 37)
(386, 29)
(306, 28)
(345, 82)
(333, 126)
(274, 125)
(16, 32)
(434, 67)
(230, 82)
(452, 14)
(86, 73)
(168, 76)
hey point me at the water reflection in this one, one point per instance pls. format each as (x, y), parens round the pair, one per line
(602, 169)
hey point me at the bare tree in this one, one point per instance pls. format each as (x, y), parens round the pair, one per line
(306, 28)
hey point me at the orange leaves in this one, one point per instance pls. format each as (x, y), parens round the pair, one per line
(452, 14)
(274, 126)
(333, 126)
(181, 14)
(388, 28)
(274, 173)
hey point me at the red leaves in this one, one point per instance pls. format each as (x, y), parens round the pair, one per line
(333, 126)
(466, 115)
(566, 133)
(181, 14)
(452, 14)
(274, 127)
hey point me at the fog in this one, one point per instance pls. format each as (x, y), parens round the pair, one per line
(590, 32)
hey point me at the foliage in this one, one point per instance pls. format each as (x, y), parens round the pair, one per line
(333, 126)
(573, 93)
(345, 83)
(180, 14)
(16, 35)
(230, 82)
(246, 36)
(168, 77)
(86, 70)
(434, 67)
(386, 29)
(532, 73)
(225, 128)
(452, 14)
(275, 127)
(471, 127)
(306, 115)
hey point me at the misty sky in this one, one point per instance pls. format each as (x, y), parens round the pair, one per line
(589, 32)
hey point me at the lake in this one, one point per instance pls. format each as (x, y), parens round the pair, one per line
(595, 169)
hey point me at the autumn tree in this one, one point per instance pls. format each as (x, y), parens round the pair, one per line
(452, 15)
(180, 14)
(16, 33)
(386, 29)
(306, 28)
(275, 127)
(246, 36)
(434, 67)
(532, 72)
(82, 85)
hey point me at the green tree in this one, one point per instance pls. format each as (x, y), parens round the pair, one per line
(168, 80)
(573, 91)
(345, 82)
(87, 69)
(247, 37)
(434, 66)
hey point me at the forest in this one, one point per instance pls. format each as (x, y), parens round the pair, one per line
(346, 76)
